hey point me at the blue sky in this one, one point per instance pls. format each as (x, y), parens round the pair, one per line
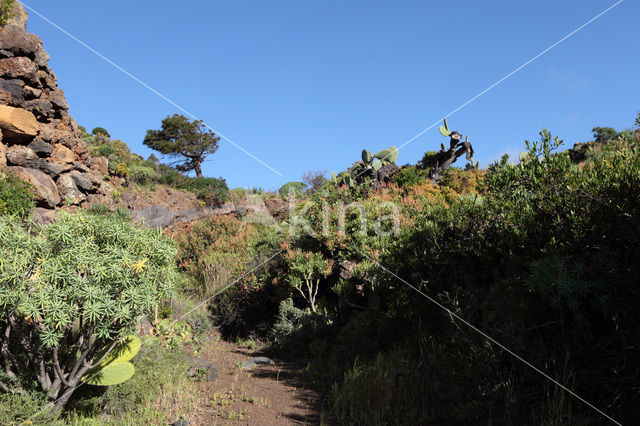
(306, 85)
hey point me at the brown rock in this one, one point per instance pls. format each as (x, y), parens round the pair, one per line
(99, 165)
(31, 92)
(18, 155)
(278, 209)
(46, 190)
(18, 41)
(68, 190)
(44, 216)
(46, 131)
(20, 67)
(17, 124)
(56, 97)
(46, 79)
(62, 155)
(81, 150)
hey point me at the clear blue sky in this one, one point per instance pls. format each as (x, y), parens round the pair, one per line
(306, 85)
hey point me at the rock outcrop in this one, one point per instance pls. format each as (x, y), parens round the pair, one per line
(39, 141)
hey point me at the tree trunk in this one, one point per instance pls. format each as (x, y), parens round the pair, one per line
(61, 402)
(197, 168)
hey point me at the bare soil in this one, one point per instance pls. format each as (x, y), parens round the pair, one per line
(264, 395)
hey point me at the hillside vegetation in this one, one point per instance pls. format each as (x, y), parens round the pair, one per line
(382, 283)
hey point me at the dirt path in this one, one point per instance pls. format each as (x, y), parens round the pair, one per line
(264, 395)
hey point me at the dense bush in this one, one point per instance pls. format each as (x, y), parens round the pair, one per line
(70, 291)
(542, 255)
(409, 176)
(16, 196)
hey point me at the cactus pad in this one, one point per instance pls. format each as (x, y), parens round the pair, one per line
(444, 131)
(112, 374)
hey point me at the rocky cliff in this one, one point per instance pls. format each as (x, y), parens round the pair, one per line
(39, 141)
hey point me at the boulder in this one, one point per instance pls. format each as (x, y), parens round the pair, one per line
(18, 41)
(69, 191)
(43, 216)
(17, 125)
(53, 169)
(46, 190)
(40, 147)
(61, 155)
(257, 361)
(46, 131)
(41, 108)
(82, 181)
(19, 67)
(12, 92)
(203, 370)
(18, 155)
(56, 98)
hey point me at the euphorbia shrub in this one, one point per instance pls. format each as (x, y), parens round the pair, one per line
(69, 292)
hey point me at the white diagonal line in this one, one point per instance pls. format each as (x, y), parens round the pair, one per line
(510, 74)
(494, 341)
(133, 77)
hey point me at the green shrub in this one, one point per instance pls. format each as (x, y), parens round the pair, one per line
(6, 6)
(70, 291)
(409, 176)
(143, 175)
(100, 131)
(292, 188)
(16, 196)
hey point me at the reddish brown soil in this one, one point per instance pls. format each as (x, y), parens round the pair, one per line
(263, 395)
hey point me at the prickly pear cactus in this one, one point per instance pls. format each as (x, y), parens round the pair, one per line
(112, 374)
(115, 368)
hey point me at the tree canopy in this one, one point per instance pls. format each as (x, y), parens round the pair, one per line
(179, 137)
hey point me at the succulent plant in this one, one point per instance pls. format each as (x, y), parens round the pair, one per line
(367, 156)
(389, 155)
(115, 368)
(112, 374)
(444, 130)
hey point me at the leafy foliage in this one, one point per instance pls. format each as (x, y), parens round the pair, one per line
(292, 188)
(16, 196)
(71, 290)
(100, 131)
(180, 137)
